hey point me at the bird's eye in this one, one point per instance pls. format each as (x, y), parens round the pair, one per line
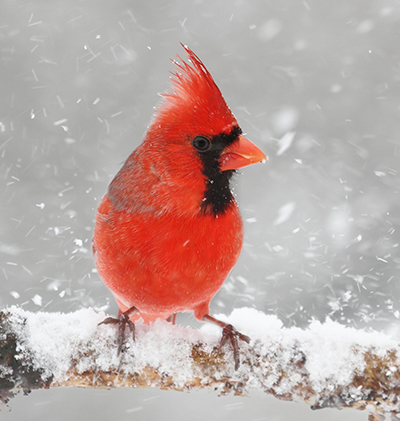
(201, 143)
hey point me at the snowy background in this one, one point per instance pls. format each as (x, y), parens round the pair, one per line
(314, 83)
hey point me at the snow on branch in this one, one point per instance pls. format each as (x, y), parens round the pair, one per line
(326, 365)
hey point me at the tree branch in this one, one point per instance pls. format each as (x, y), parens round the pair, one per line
(327, 365)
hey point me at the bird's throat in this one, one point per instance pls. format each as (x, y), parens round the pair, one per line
(217, 194)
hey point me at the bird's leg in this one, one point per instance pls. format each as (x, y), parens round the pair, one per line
(172, 318)
(122, 321)
(229, 333)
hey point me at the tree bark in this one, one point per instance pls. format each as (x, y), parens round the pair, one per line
(375, 388)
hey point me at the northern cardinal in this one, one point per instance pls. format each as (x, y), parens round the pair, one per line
(169, 231)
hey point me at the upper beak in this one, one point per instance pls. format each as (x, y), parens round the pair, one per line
(240, 154)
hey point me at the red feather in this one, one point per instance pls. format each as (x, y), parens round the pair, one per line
(168, 231)
(195, 102)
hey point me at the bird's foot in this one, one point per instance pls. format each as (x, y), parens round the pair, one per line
(229, 334)
(123, 321)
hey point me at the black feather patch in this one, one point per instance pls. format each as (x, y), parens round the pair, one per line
(217, 194)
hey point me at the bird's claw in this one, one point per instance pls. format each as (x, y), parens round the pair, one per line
(123, 321)
(229, 333)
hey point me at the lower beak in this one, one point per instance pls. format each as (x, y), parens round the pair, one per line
(239, 154)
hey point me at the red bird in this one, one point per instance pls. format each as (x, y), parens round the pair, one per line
(169, 230)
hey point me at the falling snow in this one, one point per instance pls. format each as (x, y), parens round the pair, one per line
(312, 83)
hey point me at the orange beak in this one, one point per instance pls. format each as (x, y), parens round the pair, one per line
(239, 154)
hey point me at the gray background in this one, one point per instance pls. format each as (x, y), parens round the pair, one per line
(79, 80)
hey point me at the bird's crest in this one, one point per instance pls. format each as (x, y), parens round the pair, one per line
(195, 99)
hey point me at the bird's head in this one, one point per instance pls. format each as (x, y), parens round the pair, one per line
(196, 130)
(195, 114)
